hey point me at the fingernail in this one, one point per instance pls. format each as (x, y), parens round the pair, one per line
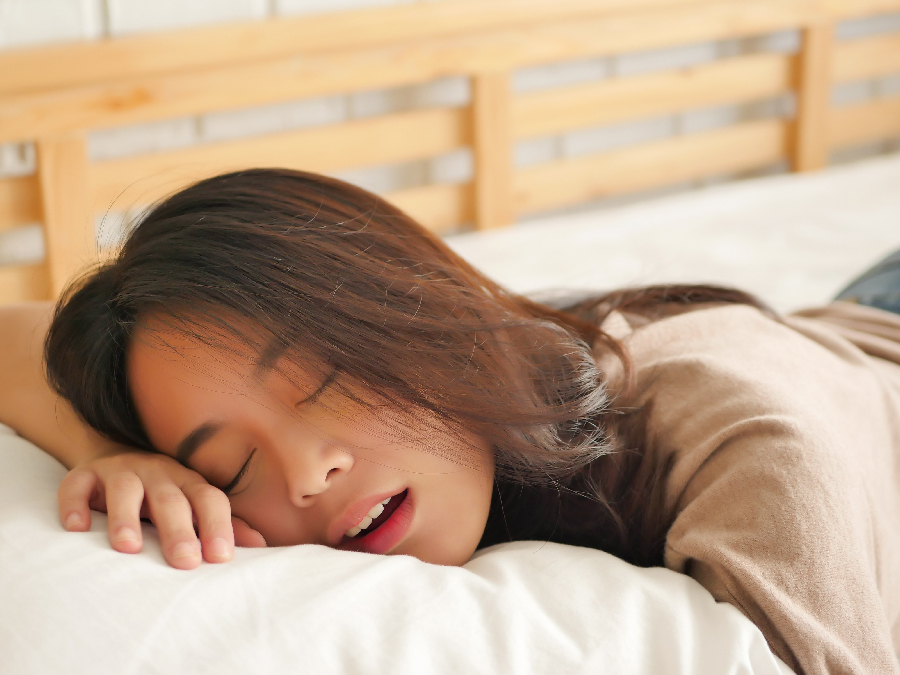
(218, 548)
(73, 521)
(126, 534)
(184, 550)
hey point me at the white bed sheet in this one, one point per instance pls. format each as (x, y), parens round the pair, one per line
(794, 240)
(69, 604)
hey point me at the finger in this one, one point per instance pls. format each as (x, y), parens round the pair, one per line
(246, 536)
(124, 495)
(171, 512)
(213, 513)
(75, 492)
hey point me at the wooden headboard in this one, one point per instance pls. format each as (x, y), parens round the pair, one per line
(54, 96)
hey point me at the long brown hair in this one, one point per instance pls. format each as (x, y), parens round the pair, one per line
(341, 280)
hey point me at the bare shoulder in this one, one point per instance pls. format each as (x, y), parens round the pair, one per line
(22, 330)
(24, 317)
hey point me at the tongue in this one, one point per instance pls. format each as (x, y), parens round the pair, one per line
(389, 509)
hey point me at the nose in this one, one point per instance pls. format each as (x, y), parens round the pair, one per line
(311, 467)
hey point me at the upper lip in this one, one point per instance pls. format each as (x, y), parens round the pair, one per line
(354, 514)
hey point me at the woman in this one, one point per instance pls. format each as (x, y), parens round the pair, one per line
(283, 359)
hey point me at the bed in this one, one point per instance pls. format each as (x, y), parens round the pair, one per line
(793, 240)
(73, 605)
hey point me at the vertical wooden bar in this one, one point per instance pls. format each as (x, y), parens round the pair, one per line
(69, 234)
(814, 80)
(492, 124)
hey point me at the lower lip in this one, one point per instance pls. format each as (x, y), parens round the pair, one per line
(389, 534)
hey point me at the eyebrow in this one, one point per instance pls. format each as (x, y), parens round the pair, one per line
(192, 442)
(268, 357)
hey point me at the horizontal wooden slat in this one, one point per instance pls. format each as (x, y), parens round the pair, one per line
(20, 202)
(439, 207)
(852, 9)
(208, 47)
(378, 140)
(867, 58)
(864, 123)
(19, 283)
(26, 116)
(565, 182)
(731, 81)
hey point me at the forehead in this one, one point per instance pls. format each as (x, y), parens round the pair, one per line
(169, 369)
(155, 340)
(181, 376)
(184, 352)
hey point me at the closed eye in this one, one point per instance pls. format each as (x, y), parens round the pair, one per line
(322, 387)
(228, 489)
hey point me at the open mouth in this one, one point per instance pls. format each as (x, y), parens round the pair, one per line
(379, 519)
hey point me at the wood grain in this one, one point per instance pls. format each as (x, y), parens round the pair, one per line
(867, 58)
(491, 101)
(868, 122)
(153, 97)
(68, 223)
(729, 81)
(852, 9)
(814, 81)
(56, 94)
(20, 201)
(441, 207)
(34, 69)
(565, 182)
(379, 140)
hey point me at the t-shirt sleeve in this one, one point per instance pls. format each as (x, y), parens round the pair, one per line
(768, 494)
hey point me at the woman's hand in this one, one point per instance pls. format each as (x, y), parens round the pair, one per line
(129, 485)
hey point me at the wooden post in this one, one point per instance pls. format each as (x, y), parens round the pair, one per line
(492, 125)
(814, 80)
(69, 234)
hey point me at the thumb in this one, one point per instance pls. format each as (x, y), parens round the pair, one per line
(246, 536)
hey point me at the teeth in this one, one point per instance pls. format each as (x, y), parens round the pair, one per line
(373, 513)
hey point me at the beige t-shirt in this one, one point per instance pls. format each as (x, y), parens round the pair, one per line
(785, 489)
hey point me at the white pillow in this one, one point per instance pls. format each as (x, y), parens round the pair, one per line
(70, 604)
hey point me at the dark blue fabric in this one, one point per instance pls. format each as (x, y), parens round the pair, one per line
(878, 287)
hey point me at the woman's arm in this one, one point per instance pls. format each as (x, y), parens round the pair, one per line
(27, 404)
(783, 495)
(125, 483)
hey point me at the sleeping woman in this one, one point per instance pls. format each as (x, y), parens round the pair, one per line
(278, 358)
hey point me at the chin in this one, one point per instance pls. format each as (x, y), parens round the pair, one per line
(448, 557)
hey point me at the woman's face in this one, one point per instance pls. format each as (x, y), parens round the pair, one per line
(303, 463)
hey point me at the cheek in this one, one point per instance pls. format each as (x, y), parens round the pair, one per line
(265, 507)
(454, 510)
(452, 528)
